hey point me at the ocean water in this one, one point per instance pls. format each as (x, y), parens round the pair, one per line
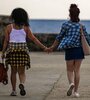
(51, 26)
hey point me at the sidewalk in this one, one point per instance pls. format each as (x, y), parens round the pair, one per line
(47, 80)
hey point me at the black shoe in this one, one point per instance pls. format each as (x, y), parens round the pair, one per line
(69, 92)
(22, 90)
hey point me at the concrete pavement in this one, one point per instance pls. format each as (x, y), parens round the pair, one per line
(47, 80)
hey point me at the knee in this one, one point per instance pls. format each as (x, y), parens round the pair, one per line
(77, 73)
(70, 69)
(21, 72)
(77, 70)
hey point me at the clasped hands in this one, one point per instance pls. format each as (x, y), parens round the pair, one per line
(48, 49)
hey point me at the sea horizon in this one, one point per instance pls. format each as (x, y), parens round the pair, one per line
(50, 26)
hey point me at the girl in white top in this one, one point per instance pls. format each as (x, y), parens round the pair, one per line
(17, 52)
(17, 36)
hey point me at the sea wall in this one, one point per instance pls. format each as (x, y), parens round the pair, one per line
(4, 20)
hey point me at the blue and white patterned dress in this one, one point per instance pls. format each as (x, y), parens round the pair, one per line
(70, 35)
(69, 39)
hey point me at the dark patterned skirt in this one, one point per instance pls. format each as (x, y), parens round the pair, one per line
(17, 55)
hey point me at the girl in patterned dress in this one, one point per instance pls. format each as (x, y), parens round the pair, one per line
(69, 39)
(17, 53)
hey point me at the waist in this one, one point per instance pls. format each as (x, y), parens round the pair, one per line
(17, 45)
(19, 41)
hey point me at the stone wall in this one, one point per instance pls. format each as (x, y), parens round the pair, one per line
(46, 39)
(4, 20)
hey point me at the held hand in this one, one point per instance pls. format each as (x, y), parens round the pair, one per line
(45, 49)
(48, 50)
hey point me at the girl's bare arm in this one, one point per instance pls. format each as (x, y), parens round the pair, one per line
(6, 39)
(34, 39)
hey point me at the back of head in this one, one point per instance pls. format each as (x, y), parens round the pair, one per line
(20, 17)
(74, 13)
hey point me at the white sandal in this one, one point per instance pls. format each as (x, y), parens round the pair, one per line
(76, 94)
(13, 93)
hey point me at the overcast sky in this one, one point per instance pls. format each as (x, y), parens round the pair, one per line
(46, 9)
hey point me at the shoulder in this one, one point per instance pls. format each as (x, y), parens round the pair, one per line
(66, 24)
(83, 26)
(8, 28)
(27, 29)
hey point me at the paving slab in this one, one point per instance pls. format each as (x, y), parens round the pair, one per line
(60, 88)
(47, 79)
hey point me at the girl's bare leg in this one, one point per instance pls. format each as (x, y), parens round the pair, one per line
(70, 70)
(21, 73)
(77, 74)
(22, 78)
(13, 77)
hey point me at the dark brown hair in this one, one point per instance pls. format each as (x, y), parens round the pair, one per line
(20, 17)
(74, 13)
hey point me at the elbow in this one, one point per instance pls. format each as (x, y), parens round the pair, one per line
(33, 39)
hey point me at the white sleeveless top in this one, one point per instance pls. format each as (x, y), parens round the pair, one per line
(17, 36)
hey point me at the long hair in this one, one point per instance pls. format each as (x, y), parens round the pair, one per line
(74, 13)
(20, 17)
